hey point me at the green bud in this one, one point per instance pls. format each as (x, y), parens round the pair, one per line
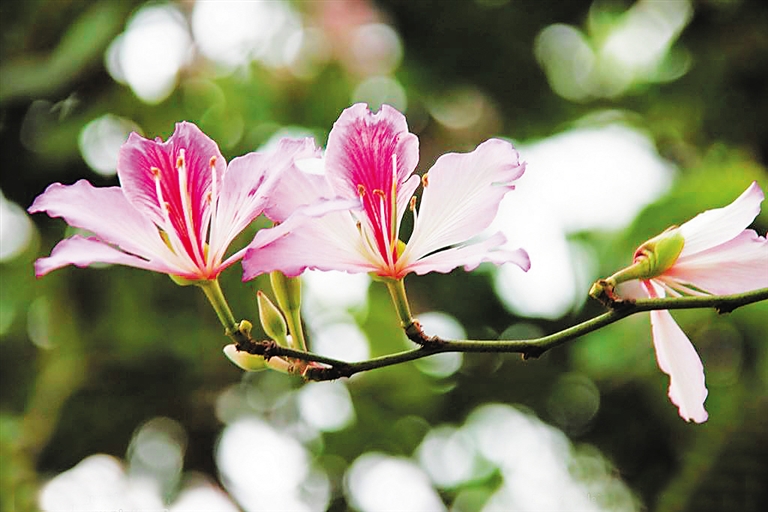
(244, 360)
(661, 251)
(287, 291)
(272, 320)
(652, 258)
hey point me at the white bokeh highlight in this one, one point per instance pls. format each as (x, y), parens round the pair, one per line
(265, 469)
(149, 54)
(16, 229)
(376, 482)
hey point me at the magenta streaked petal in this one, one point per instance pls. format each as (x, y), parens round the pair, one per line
(470, 256)
(369, 156)
(360, 149)
(678, 359)
(329, 242)
(714, 227)
(188, 204)
(81, 252)
(462, 195)
(737, 266)
(104, 212)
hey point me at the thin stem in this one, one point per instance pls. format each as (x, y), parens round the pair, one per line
(534, 347)
(396, 289)
(212, 290)
(293, 318)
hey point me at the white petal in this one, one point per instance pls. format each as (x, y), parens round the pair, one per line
(462, 196)
(470, 256)
(714, 227)
(737, 266)
(678, 359)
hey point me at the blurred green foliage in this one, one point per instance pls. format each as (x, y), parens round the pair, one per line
(88, 355)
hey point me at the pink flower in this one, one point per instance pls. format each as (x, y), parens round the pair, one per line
(716, 256)
(369, 162)
(177, 210)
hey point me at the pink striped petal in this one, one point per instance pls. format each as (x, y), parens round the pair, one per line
(714, 227)
(462, 195)
(361, 146)
(470, 256)
(81, 252)
(202, 160)
(737, 266)
(678, 359)
(104, 212)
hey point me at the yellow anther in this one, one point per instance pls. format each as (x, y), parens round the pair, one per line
(361, 190)
(425, 180)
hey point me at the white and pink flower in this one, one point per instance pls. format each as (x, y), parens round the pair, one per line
(177, 210)
(369, 163)
(716, 256)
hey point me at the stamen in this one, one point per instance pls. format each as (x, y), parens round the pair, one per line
(361, 190)
(412, 204)
(186, 205)
(212, 199)
(425, 180)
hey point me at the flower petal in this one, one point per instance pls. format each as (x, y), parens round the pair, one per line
(369, 156)
(248, 186)
(361, 146)
(81, 252)
(106, 213)
(678, 359)
(185, 193)
(714, 227)
(295, 187)
(462, 195)
(737, 266)
(328, 242)
(470, 256)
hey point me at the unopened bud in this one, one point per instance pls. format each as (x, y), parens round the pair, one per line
(272, 320)
(652, 258)
(244, 360)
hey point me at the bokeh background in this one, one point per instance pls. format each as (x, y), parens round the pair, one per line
(114, 392)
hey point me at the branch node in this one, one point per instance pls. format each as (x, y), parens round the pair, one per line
(604, 292)
(416, 334)
(323, 373)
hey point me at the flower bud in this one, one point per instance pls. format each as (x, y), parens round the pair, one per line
(652, 258)
(660, 252)
(244, 360)
(272, 320)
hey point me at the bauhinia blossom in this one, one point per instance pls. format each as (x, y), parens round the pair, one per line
(711, 254)
(177, 210)
(369, 162)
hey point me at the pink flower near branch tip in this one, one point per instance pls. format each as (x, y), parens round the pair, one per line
(369, 163)
(719, 256)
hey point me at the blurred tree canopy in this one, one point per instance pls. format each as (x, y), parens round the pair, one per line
(89, 356)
